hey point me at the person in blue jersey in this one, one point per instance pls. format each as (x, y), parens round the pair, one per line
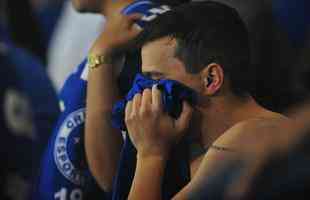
(65, 173)
(103, 143)
(230, 131)
(29, 110)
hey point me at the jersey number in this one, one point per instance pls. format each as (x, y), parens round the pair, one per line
(63, 194)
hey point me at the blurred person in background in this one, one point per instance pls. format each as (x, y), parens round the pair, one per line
(277, 33)
(25, 28)
(285, 174)
(283, 42)
(64, 170)
(69, 44)
(29, 109)
(274, 27)
(47, 13)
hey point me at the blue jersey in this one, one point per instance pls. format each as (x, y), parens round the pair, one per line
(29, 110)
(64, 172)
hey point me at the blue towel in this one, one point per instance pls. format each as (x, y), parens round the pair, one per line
(177, 173)
(173, 94)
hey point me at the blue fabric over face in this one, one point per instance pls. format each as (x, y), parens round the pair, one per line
(173, 94)
(177, 172)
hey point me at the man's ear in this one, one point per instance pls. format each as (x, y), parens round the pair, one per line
(213, 78)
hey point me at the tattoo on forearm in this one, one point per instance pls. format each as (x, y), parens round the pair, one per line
(218, 148)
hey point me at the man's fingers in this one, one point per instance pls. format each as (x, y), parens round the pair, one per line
(128, 110)
(146, 102)
(134, 28)
(182, 122)
(156, 99)
(134, 17)
(136, 103)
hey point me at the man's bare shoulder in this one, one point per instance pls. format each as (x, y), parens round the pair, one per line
(255, 135)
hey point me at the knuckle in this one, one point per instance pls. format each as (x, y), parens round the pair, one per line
(155, 110)
(137, 97)
(129, 103)
(127, 116)
(133, 116)
(128, 120)
(144, 112)
(147, 91)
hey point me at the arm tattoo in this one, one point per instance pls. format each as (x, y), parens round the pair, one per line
(218, 148)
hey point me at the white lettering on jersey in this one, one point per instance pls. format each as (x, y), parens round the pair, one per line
(62, 194)
(61, 153)
(155, 12)
(18, 114)
(62, 106)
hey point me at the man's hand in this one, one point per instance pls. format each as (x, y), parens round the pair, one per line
(119, 29)
(151, 130)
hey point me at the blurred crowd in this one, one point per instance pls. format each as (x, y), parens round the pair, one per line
(42, 42)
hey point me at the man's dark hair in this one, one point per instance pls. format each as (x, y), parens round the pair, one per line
(172, 2)
(206, 32)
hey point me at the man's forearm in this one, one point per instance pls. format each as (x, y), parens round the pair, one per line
(102, 142)
(148, 177)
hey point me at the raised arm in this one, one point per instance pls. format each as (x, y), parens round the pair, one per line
(102, 141)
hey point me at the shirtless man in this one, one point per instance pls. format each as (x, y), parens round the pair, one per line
(212, 58)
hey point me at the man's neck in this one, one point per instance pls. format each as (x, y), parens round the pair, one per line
(223, 113)
(112, 6)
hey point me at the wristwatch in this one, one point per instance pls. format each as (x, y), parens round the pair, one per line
(95, 61)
